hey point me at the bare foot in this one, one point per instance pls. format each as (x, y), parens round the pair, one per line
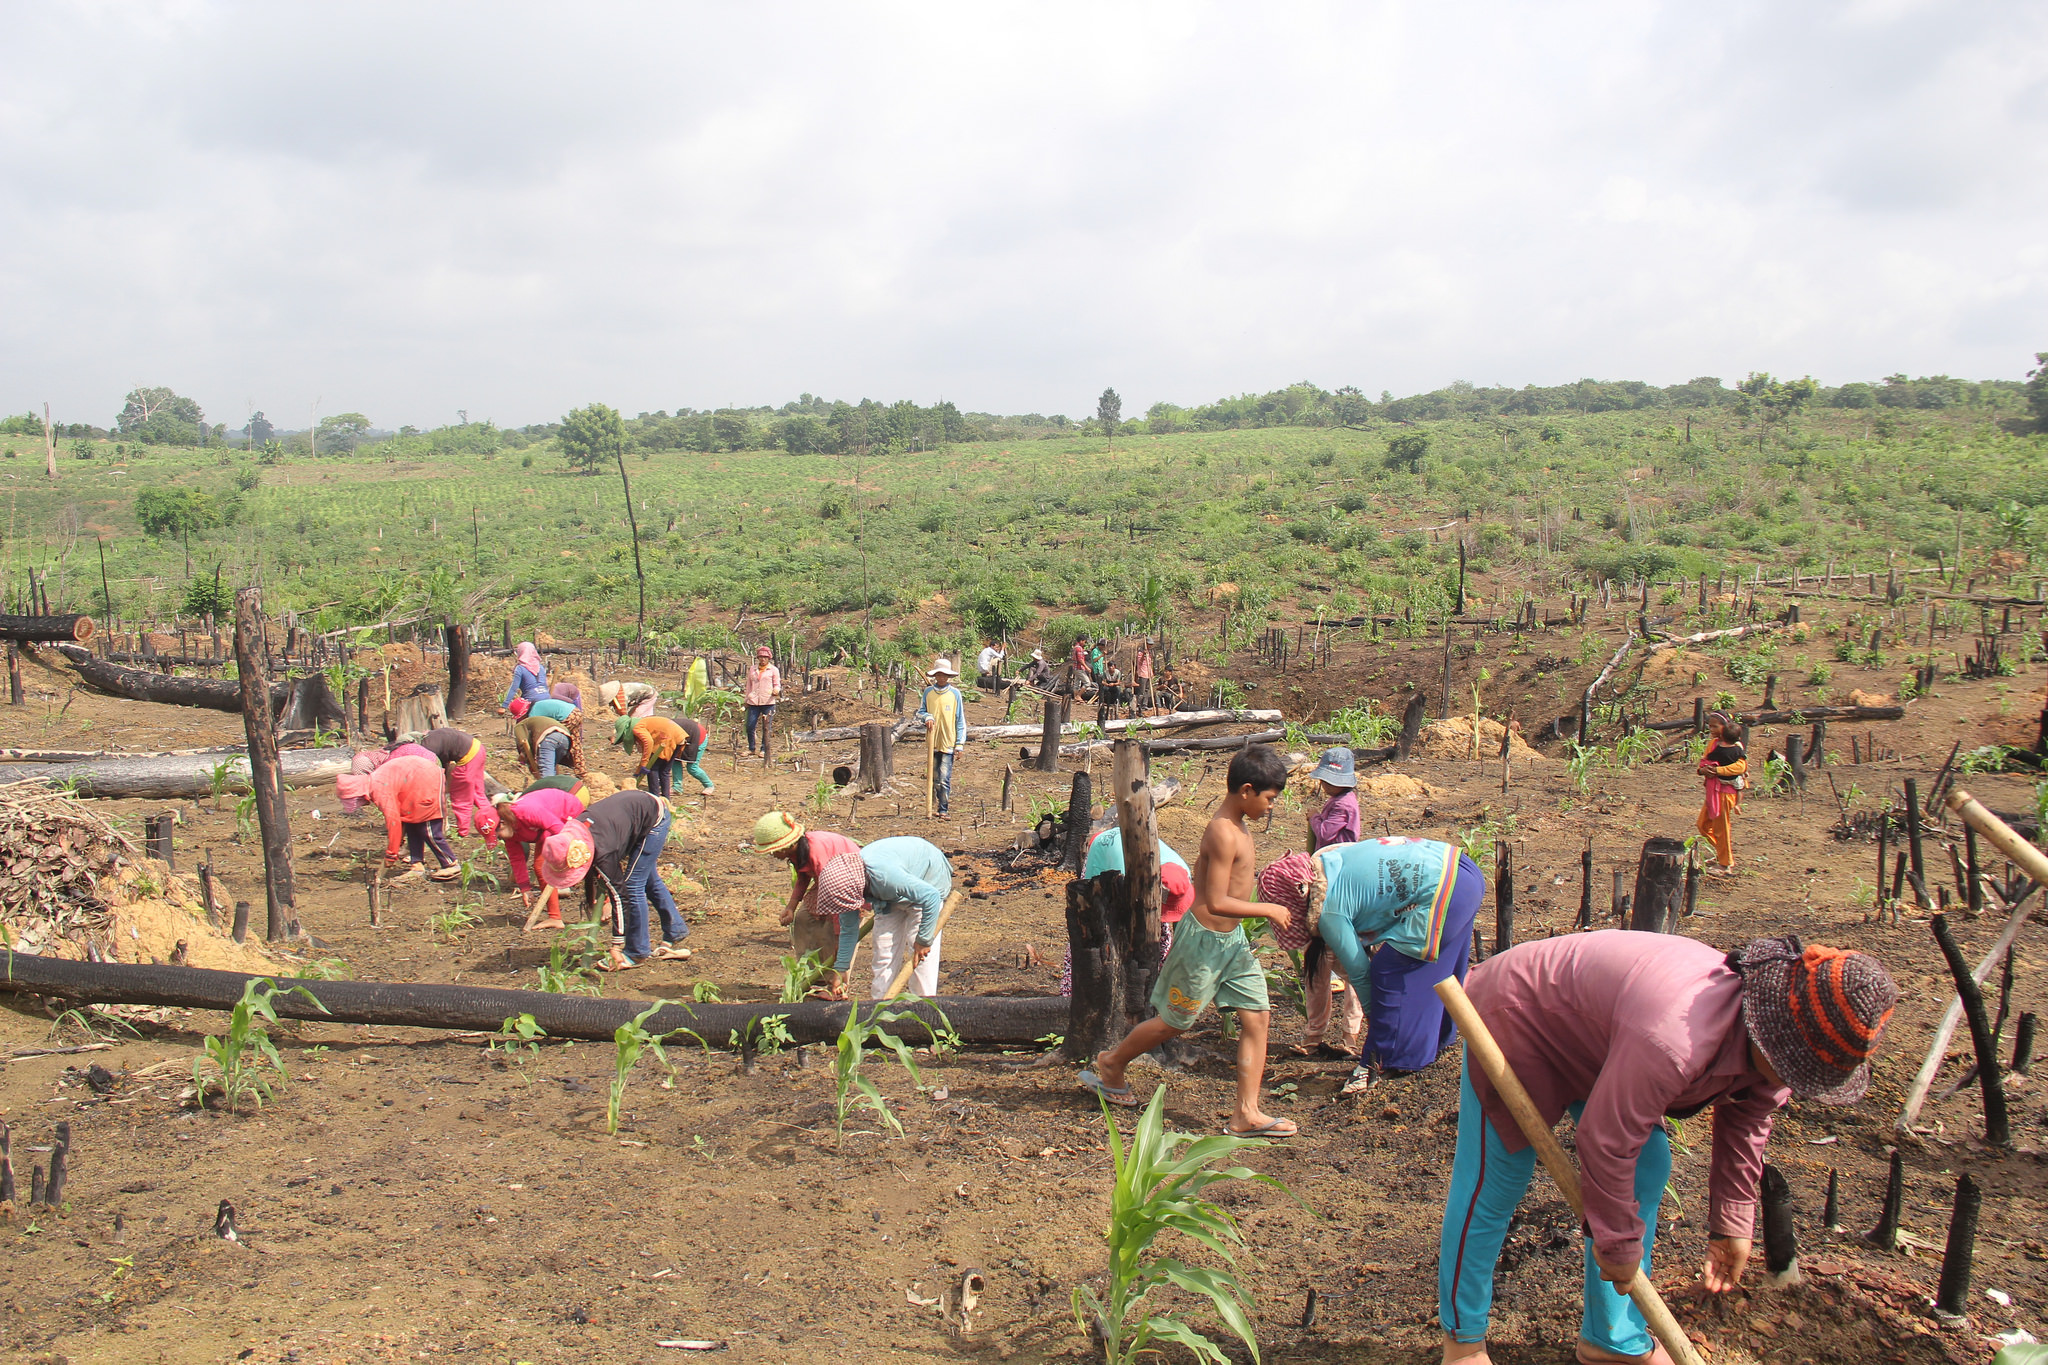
(1111, 1073)
(1465, 1352)
(1589, 1354)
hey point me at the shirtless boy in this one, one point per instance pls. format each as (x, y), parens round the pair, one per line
(1211, 960)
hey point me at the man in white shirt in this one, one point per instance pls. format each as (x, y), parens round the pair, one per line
(989, 663)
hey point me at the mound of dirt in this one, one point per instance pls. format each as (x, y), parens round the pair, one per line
(600, 785)
(155, 911)
(1393, 787)
(1675, 663)
(1453, 739)
(1858, 697)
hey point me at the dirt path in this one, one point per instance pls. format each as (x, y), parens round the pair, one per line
(413, 1196)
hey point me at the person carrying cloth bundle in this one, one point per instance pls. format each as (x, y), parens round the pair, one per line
(531, 818)
(622, 837)
(905, 881)
(635, 699)
(529, 676)
(407, 789)
(783, 837)
(944, 710)
(664, 745)
(1725, 766)
(461, 756)
(1412, 900)
(1623, 1030)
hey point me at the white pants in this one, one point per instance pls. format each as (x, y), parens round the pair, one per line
(895, 938)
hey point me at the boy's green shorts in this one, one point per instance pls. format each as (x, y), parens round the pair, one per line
(1205, 966)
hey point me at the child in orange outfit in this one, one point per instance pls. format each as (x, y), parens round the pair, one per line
(1723, 766)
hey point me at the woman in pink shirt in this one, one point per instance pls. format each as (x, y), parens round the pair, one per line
(760, 692)
(1623, 1030)
(529, 819)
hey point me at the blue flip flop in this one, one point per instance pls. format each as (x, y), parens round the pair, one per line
(1115, 1094)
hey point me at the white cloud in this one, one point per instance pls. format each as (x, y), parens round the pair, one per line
(514, 209)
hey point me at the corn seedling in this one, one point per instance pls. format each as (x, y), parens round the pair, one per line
(706, 993)
(448, 923)
(471, 872)
(237, 1056)
(1160, 1176)
(822, 794)
(1584, 759)
(629, 1041)
(322, 969)
(800, 974)
(560, 976)
(95, 1026)
(245, 817)
(519, 1038)
(1638, 747)
(220, 777)
(849, 1085)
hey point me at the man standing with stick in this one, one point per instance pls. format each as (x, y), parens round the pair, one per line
(1624, 1030)
(944, 713)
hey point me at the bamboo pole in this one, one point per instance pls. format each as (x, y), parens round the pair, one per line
(1480, 1045)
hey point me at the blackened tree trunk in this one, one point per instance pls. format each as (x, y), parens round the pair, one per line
(1660, 887)
(458, 670)
(73, 628)
(1080, 820)
(877, 755)
(1137, 825)
(1049, 739)
(1098, 934)
(252, 667)
(1411, 727)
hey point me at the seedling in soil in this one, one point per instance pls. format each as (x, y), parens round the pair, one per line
(245, 817)
(855, 1038)
(519, 1038)
(706, 993)
(323, 969)
(448, 923)
(822, 794)
(629, 1041)
(219, 777)
(1160, 1176)
(95, 1026)
(238, 1055)
(800, 974)
(471, 872)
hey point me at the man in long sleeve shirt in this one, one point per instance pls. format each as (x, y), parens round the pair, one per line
(944, 710)
(1623, 1030)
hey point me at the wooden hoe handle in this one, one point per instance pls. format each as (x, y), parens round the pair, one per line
(1479, 1045)
(2004, 837)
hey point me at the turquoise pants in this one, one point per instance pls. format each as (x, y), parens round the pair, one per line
(1487, 1183)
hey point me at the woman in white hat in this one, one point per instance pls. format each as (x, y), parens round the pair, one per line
(944, 712)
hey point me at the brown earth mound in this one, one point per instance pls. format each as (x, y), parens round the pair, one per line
(1453, 739)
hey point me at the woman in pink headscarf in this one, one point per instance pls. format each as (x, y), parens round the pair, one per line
(408, 792)
(529, 676)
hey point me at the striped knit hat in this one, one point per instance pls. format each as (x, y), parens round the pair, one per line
(1818, 1014)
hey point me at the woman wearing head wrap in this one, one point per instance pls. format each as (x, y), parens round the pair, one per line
(783, 837)
(529, 676)
(905, 881)
(1622, 1030)
(622, 837)
(568, 692)
(664, 746)
(528, 820)
(408, 791)
(635, 699)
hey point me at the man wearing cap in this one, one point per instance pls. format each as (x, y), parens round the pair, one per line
(905, 881)
(762, 689)
(944, 712)
(622, 837)
(782, 836)
(1039, 675)
(635, 699)
(1623, 1030)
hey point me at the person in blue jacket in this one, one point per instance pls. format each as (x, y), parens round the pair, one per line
(905, 881)
(529, 676)
(1396, 914)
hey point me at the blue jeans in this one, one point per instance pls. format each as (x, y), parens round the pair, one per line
(551, 753)
(758, 715)
(1487, 1183)
(942, 781)
(643, 884)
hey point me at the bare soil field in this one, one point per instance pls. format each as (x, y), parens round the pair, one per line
(410, 1195)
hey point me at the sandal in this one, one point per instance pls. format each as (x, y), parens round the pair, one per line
(1271, 1128)
(1115, 1094)
(617, 965)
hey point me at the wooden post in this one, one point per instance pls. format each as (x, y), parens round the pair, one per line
(877, 755)
(14, 695)
(1049, 739)
(931, 767)
(1660, 887)
(458, 669)
(1138, 825)
(157, 836)
(1411, 727)
(253, 672)
(1503, 896)
(1913, 839)
(1080, 819)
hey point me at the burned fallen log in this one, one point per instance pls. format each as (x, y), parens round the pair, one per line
(1179, 720)
(45, 629)
(1174, 746)
(177, 775)
(140, 684)
(1794, 717)
(996, 1021)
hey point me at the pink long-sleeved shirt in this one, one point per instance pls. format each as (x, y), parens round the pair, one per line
(1638, 1026)
(407, 789)
(531, 819)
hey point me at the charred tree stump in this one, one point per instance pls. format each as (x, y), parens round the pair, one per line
(252, 669)
(1503, 896)
(310, 704)
(1951, 1297)
(1831, 1215)
(362, 706)
(1795, 760)
(156, 836)
(60, 1165)
(421, 711)
(1585, 919)
(1886, 1234)
(1817, 749)
(1913, 840)
(1997, 1128)
(1976, 887)
(1098, 934)
(877, 755)
(14, 693)
(206, 892)
(1692, 884)
(1080, 820)
(1781, 1243)
(2023, 1044)
(1617, 899)
(1411, 727)
(240, 930)
(1137, 825)
(1660, 887)
(1049, 739)
(457, 638)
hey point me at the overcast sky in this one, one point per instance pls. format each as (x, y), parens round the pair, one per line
(412, 209)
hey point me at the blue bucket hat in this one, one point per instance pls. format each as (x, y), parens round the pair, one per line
(1337, 768)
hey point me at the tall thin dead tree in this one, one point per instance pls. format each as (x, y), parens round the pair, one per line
(252, 667)
(633, 524)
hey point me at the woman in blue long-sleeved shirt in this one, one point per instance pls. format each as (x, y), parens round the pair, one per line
(1397, 916)
(529, 676)
(905, 881)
